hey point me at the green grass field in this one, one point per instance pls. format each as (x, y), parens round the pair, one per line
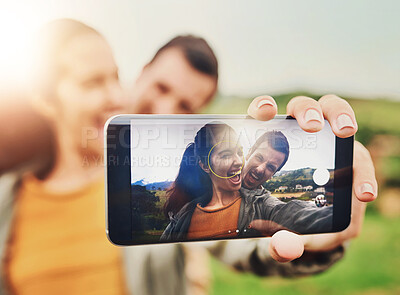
(371, 266)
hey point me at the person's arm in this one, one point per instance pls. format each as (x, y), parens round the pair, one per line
(25, 137)
(296, 215)
(252, 255)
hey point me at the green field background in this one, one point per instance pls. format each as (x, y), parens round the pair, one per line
(372, 262)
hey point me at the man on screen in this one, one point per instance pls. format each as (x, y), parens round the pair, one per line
(267, 156)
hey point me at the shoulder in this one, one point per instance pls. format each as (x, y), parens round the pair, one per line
(187, 208)
(254, 194)
(260, 198)
(184, 214)
(179, 223)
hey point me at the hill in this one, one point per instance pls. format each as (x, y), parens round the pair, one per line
(161, 186)
(291, 178)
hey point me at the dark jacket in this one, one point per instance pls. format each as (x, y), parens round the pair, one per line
(296, 215)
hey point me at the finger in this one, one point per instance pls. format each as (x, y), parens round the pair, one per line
(263, 108)
(321, 242)
(329, 241)
(339, 114)
(286, 246)
(357, 219)
(266, 227)
(263, 226)
(364, 182)
(307, 112)
(258, 224)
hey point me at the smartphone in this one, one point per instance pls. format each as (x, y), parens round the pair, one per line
(181, 178)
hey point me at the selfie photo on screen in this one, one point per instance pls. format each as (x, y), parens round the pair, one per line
(219, 179)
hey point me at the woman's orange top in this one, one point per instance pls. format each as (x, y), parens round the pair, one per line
(58, 243)
(215, 223)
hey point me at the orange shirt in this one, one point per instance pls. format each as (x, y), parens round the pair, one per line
(59, 245)
(215, 223)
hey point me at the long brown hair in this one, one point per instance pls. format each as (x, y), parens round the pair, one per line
(192, 182)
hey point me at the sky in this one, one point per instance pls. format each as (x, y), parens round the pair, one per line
(157, 146)
(351, 48)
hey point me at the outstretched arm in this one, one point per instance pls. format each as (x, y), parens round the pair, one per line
(252, 255)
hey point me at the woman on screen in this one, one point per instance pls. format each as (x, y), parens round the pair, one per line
(206, 190)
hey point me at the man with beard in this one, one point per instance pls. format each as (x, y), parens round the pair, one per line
(266, 157)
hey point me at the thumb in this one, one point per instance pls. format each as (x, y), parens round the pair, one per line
(262, 108)
(286, 246)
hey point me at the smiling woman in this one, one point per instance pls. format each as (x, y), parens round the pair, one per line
(195, 179)
(208, 180)
(76, 88)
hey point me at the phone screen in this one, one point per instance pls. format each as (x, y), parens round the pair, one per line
(197, 178)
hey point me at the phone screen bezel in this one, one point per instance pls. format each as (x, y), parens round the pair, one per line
(118, 175)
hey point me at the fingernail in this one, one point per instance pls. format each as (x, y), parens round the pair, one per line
(312, 115)
(264, 102)
(344, 121)
(367, 188)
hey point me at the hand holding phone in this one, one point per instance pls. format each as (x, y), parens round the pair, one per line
(210, 181)
(286, 246)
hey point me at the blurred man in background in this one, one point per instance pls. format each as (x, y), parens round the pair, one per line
(181, 78)
(52, 236)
